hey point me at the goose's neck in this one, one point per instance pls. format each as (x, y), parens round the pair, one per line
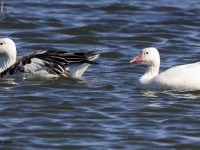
(6, 61)
(151, 72)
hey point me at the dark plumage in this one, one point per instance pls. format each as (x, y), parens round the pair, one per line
(54, 61)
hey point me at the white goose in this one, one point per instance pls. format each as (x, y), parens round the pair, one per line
(43, 63)
(181, 78)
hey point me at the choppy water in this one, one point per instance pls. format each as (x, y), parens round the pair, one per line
(104, 111)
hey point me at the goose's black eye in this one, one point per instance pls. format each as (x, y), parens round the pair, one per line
(147, 53)
(1, 43)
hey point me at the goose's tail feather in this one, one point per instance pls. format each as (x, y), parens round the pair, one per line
(77, 69)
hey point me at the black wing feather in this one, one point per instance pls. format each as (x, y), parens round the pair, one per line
(54, 61)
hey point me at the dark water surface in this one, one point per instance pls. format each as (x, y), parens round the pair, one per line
(104, 111)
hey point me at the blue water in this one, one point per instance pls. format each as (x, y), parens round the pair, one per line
(103, 111)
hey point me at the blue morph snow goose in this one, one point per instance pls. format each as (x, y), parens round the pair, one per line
(44, 63)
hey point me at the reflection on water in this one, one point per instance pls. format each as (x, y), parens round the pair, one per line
(103, 110)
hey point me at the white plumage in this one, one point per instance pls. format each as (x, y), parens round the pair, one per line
(182, 77)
